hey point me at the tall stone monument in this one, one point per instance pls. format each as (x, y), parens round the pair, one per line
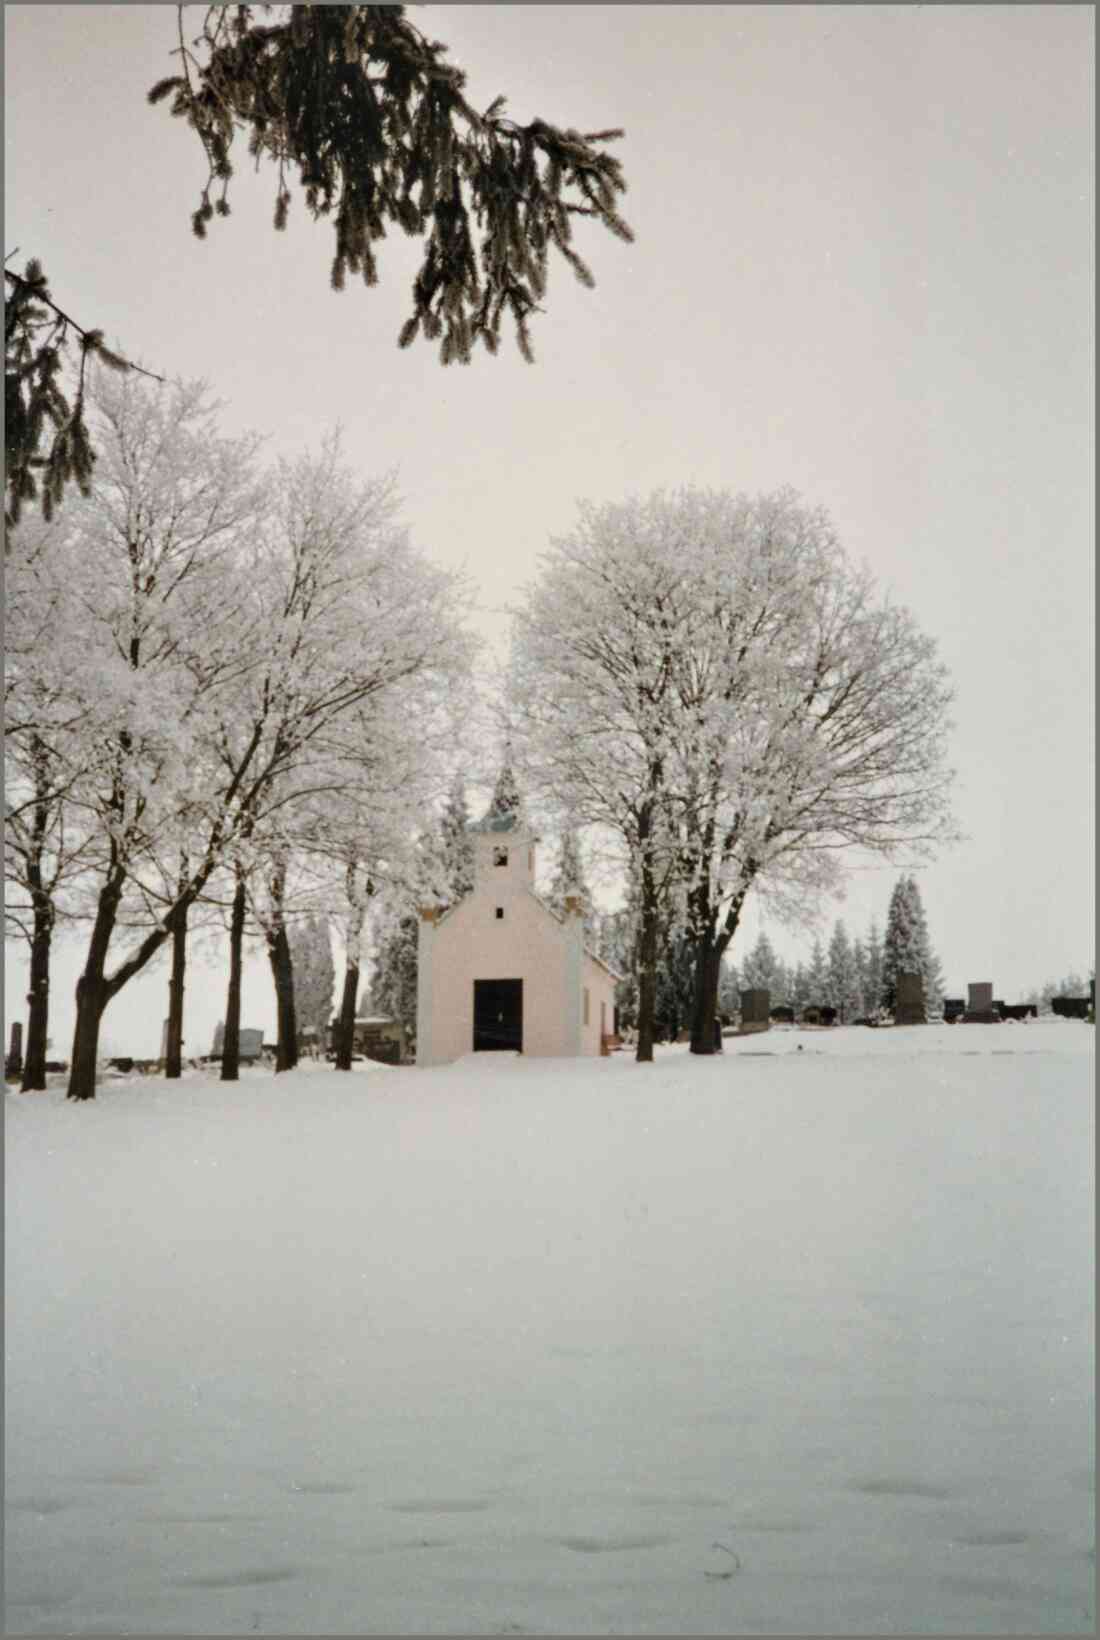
(979, 1007)
(909, 1008)
(13, 1064)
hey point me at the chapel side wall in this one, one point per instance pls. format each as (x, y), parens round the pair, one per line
(472, 944)
(601, 988)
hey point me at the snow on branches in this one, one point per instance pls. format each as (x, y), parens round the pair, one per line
(709, 676)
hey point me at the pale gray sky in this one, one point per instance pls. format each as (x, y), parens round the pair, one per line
(864, 266)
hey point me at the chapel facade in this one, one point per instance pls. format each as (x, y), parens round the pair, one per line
(501, 970)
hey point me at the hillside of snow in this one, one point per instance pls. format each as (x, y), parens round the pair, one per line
(795, 1340)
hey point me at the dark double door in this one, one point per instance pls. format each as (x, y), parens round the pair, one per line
(498, 1014)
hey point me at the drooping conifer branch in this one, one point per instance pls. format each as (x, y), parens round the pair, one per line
(376, 123)
(36, 339)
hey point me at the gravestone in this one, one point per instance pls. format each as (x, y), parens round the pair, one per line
(953, 1008)
(755, 1010)
(909, 1006)
(979, 1007)
(251, 1043)
(13, 1064)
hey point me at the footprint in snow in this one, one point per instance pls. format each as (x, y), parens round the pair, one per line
(38, 1506)
(991, 1539)
(613, 1544)
(898, 1486)
(323, 1489)
(246, 1578)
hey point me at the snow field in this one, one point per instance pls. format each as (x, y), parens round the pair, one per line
(721, 1346)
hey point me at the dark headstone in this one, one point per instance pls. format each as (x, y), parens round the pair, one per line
(909, 1006)
(1071, 1007)
(819, 1013)
(783, 1015)
(13, 1064)
(953, 1009)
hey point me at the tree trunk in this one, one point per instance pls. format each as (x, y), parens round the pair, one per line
(38, 998)
(91, 1001)
(282, 969)
(231, 1041)
(647, 969)
(173, 1051)
(708, 967)
(93, 991)
(357, 897)
(345, 1023)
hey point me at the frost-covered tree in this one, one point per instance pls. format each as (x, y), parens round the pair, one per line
(859, 965)
(617, 942)
(672, 1011)
(569, 880)
(783, 985)
(800, 988)
(730, 988)
(760, 967)
(319, 607)
(52, 715)
(872, 997)
(841, 979)
(712, 666)
(457, 846)
(930, 970)
(147, 562)
(394, 977)
(373, 118)
(593, 683)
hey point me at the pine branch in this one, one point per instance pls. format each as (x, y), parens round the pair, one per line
(92, 340)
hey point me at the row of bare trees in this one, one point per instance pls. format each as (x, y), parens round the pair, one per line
(227, 686)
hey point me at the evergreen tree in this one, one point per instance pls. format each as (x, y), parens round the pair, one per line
(872, 995)
(781, 997)
(841, 986)
(394, 980)
(859, 963)
(617, 940)
(816, 977)
(906, 947)
(375, 122)
(729, 988)
(314, 976)
(569, 881)
(675, 983)
(457, 846)
(760, 970)
(46, 439)
(800, 988)
(506, 804)
(930, 969)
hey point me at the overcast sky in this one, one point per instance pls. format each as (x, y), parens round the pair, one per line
(863, 266)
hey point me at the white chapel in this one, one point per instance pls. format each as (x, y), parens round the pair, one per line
(500, 970)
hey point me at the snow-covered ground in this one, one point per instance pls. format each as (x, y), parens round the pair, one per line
(796, 1340)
